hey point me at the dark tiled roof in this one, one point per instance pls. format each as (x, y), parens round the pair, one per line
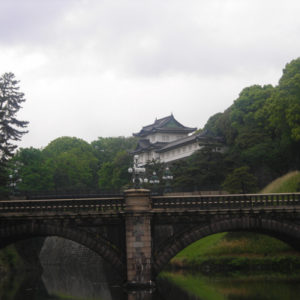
(202, 136)
(166, 124)
(180, 142)
(144, 145)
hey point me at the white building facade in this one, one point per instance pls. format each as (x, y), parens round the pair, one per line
(167, 140)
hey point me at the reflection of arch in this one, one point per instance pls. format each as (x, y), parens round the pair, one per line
(16, 232)
(289, 233)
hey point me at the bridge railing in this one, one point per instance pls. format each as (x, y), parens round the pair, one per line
(199, 202)
(236, 201)
(62, 205)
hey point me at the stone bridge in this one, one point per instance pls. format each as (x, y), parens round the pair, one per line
(138, 233)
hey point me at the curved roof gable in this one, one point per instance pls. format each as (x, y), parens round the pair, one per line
(167, 124)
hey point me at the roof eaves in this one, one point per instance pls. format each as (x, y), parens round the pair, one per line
(177, 143)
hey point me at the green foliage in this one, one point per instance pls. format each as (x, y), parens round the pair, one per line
(73, 164)
(155, 166)
(249, 245)
(10, 127)
(212, 125)
(70, 164)
(202, 247)
(66, 164)
(113, 161)
(73, 171)
(66, 144)
(239, 243)
(284, 106)
(105, 174)
(30, 165)
(235, 248)
(245, 111)
(114, 174)
(107, 148)
(260, 130)
(10, 103)
(205, 168)
(240, 181)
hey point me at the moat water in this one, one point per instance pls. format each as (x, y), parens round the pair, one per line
(71, 271)
(82, 283)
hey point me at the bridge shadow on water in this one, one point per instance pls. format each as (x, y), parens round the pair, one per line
(72, 271)
(69, 271)
(56, 284)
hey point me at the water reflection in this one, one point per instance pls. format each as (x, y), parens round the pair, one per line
(79, 282)
(22, 287)
(76, 283)
(72, 270)
(234, 287)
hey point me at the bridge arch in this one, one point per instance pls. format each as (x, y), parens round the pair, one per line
(283, 230)
(11, 233)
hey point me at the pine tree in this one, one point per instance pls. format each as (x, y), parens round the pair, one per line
(10, 127)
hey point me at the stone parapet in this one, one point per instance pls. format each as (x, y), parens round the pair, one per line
(137, 200)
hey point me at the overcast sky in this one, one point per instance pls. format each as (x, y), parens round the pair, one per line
(93, 68)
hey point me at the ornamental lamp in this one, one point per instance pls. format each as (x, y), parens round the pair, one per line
(136, 172)
(168, 176)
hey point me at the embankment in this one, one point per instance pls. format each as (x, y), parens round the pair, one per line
(243, 250)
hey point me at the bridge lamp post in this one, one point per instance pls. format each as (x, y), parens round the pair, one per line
(154, 181)
(14, 180)
(137, 172)
(168, 176)
(12, 184)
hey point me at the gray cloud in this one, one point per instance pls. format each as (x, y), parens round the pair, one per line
(30, 21)
(155, 38)
(136, 60)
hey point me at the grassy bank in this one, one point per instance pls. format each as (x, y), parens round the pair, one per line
(288, 183)
(237, 251)
(243, 250)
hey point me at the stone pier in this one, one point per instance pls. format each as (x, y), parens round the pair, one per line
(138, 238)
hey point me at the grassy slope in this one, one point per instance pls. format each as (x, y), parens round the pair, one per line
(223, 247)
(288, 183)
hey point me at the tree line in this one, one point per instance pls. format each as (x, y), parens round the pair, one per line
(70, 164)
(260, 132)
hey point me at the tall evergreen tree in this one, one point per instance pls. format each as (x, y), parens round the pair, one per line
(10, 127)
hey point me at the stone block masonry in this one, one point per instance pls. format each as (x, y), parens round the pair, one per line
(138, 238)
